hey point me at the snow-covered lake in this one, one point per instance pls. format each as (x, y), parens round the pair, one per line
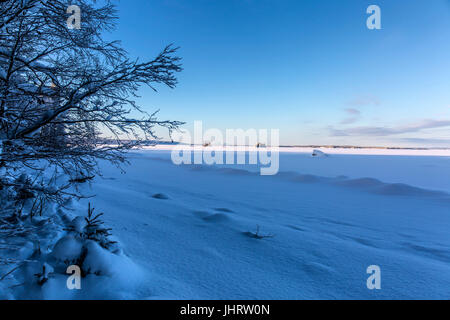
(329, 218)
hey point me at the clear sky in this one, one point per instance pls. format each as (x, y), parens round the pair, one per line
(310, 68)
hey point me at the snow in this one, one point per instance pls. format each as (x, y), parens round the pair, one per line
(67, 249)
(226, 232)
(308, 150)
(79, 223)
(101, 262)
(326, 221)
(319, 154)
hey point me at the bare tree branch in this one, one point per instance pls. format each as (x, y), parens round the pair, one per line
(67, 96)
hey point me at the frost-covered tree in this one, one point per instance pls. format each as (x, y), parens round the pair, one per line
(64, 90)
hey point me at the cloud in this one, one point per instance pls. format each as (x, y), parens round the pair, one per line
(349, 120)
(365, 100)
(355, 114)
(427, 141)
(353, 111)
(387, 131)
(360, 131)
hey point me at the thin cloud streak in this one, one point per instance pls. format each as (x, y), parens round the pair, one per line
(353, 111)
(387, 131)
(354, 116)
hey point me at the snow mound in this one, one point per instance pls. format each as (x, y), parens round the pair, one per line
(67, 249)
(217, 218)
(363, 183)
(306, 178)
(389, 189)
(160, 196)
(401, 189)
(319, 154)
(99, 261)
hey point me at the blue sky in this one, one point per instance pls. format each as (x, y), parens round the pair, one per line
(310, 68)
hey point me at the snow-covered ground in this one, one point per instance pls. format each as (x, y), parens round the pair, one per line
(190, 229)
